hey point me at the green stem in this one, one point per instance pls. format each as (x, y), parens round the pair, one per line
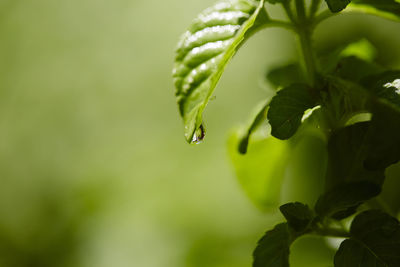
(308, 54)
(305, 30)
(314, 7)
(288, 10)
(301, 11)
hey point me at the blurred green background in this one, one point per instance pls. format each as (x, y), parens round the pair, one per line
(94, 169)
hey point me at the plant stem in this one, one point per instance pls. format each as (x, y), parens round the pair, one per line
(300, 9)
(307, 50)
(314, 7)
(305, 30)
(288, 10)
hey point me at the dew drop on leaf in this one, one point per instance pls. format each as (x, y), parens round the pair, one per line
(199, 135)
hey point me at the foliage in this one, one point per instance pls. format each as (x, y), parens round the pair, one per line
(345, 97)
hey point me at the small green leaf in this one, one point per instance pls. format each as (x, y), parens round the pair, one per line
(203, 53)
(258, 118)
(389, 9)
(286, 75)
(261, 170)
(298, 215)
(287, 108)
(337, 5)
(343, 200)
(375, 241)
(385, 86)
(273, 248)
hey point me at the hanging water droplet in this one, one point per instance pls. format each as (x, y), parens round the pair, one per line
(199, 135)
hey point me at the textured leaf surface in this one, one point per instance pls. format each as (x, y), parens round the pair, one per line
(287, 108)
(375, 241)
(389, 9)
(273, 248)
(337, 5)
(384, 141)
(348, 148)
(298, 215)
(343, 200)
(203, 53)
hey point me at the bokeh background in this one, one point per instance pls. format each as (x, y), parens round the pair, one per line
(94, 169)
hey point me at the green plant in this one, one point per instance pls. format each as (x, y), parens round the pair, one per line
(346, 99)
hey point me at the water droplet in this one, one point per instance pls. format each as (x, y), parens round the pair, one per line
(199, 135)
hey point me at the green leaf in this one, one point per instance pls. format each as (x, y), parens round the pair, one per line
(348, 148)
(384, 140)
(389, 9)
(259, 117)
(204, 51)
(287, 108)
(375, 241)
(273, 248)
(355, 69)
(361, 49)
(349, 183)
(353, 253)
(385, 86)
(343, 200)
(261, 170)
(337, 5)
(298, 215)
(286, 75)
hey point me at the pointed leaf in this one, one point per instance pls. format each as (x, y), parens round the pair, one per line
(389, 9)
(375, 241)
(203, 53)
(258, 118)
(287, 108)
(298, 215)
(273, 248)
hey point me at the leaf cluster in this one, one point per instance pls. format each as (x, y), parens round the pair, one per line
(344, 97)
